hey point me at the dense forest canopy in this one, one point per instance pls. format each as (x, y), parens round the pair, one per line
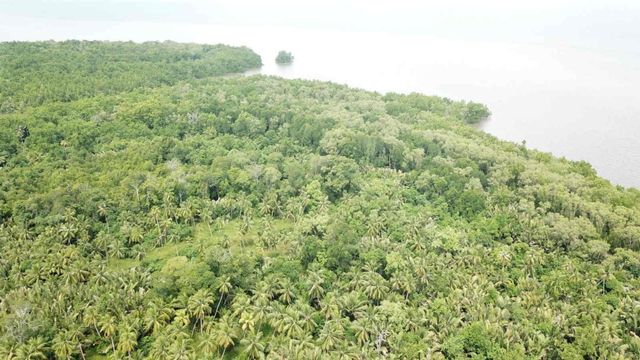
(182, 215)
(39, 72)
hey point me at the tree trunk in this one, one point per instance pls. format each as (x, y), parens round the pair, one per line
(218, 306)
(81, 352)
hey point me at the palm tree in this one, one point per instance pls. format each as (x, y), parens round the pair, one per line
(8, 350)
(403, 283)
(323, 203)
(224, 334)
(376, 225)
(67, 233)
(103, 214)
(208, 220)
(182, 318)
(532, 260)
(156, 317)
(224, 287)
(103, 210)
(352, 303)
(421, 269)
(260, 312)
(239, 305)
(90, 317)
(33, 349)
(330, 307)
(245, 226)
(375, 287)
(417, 245)
(316, 291)
(76, 334)
(267, 289)
(199, 305)
(164, 226)
(75, 273)
(253, 346)
(302, 345)
(135, 235)
(208, 344)
(361, 332)
(35, 274)
(278, 318)
(265, 208)
(279, 348)
(21, 232)
(185, 214)
(226, 241)
(127, 340)
(180, 349)
(109, 328)
(247, 321)
(331, 336)
(286, 291)
(117, 249)
(160, 347)
(306, 316)
(168, 203)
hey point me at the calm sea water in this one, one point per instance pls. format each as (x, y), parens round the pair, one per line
(577, 103)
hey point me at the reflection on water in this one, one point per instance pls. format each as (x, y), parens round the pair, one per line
(575, 103)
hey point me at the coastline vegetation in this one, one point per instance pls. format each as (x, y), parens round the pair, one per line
(151, 209)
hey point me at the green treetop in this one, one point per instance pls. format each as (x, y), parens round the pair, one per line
(284, 57)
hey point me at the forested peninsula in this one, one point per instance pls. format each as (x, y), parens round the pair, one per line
(151, 208)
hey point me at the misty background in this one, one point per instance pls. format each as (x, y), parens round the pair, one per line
(610, 25)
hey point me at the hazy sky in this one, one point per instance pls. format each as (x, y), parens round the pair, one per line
(606, 24)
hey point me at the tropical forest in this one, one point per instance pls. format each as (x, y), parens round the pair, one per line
(157, 203)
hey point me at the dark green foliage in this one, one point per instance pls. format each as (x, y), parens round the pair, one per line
(476, 112)
(284, 57)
